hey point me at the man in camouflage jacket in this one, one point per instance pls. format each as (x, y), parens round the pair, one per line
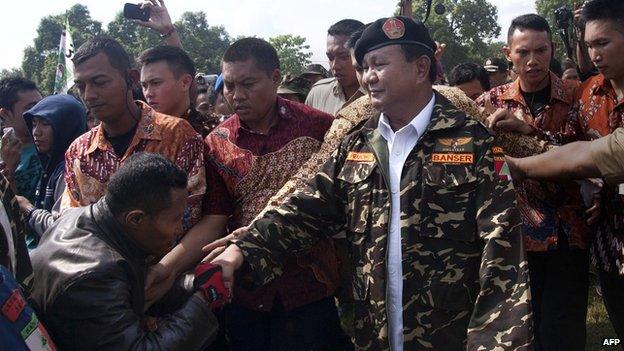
(465, 281)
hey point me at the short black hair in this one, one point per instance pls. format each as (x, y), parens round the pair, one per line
(612, 10)
(344, 27)
(117, 55)
(354, 37)
(260, 50)
(413, 52)
(177, 59)
(529, 21)
(467, 72)
(10, 87)
(144, 182)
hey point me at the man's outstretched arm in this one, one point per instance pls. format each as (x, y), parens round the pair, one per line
(571, 161)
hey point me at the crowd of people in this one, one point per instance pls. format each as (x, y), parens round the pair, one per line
(368, 207)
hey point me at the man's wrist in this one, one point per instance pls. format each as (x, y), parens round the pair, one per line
(167, 32)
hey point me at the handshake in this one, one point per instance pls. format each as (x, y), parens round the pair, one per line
(209, 281)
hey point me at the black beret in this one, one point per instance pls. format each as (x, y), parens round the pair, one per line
(392, 31)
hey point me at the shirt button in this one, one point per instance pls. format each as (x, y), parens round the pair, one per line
(394, 190)
(397, 152)
(392, 308)
(392, 270)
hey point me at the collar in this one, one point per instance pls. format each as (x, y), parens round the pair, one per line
(339, 92)
(558, 91)
(601, 85)
(146, 130)
(419, 123)
(337, 89)
(444, 116)
(283, 111)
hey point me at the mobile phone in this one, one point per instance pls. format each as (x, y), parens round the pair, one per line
(133, 11)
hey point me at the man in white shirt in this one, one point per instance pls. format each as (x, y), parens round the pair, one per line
(433, 233)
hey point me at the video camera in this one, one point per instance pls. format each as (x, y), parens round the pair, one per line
(563, 17)
(205, 79)
(563, 21)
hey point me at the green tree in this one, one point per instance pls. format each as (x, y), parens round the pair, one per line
(204, 44)
(12, 72)
(293, 53)
(546, 9)
(39, 63)
(467, 27)
(133, 37)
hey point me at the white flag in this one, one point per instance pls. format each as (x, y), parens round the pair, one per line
(65, 68)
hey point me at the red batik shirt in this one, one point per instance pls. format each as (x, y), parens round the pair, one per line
(244, 170)
(545, 208)
(598, 113)
(90, 160)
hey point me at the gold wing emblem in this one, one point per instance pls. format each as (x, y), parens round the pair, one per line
(446, 141)
(454, 142)
(463, 141)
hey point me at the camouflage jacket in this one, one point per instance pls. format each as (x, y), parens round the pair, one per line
(465, 276)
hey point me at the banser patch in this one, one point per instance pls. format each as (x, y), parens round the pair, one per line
(454, 150)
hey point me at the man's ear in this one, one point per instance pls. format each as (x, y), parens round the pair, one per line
(134, 77)
(134, 218)
(276, 77)
(187, 81)
(423, 65)
(507, 52)
(5, 113)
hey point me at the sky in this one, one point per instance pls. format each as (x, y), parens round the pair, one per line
(263, 18)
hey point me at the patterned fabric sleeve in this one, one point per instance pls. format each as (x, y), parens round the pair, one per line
(514, 144)
(501, 318)
(218, 200)
(305, 218)
(71, 195)
(190, 158)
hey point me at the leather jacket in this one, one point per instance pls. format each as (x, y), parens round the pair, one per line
(89, 290)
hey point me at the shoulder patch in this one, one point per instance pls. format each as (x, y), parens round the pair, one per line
(500, 164)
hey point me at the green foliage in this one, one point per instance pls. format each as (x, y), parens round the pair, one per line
(39, 63)
(468, 28)
(205, 44)
(133, 37)
(12, 72)
(293, 53)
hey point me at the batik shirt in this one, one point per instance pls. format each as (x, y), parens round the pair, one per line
(597, 113)
(90, 160)
(547, 209)
(244, 170)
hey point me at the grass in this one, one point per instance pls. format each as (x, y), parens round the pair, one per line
(598, 324)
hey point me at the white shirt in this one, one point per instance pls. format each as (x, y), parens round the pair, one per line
(400, 144)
